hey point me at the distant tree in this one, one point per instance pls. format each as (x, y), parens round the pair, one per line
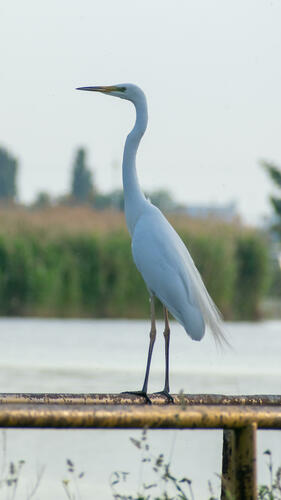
(114, 199)
(8, 172)
(64, 199)
(82, 189)
(163, 200)
(42, 200)
(275, 174)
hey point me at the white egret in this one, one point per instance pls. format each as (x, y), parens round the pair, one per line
(159, 253)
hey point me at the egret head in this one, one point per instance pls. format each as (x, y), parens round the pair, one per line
(127, 91)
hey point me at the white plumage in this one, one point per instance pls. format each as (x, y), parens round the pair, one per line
(170, 273)
(159, 253)
(163, 261)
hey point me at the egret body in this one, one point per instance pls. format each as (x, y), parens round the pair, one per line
(158, 252)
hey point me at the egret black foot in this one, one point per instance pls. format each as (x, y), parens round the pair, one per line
(168, 396)
(139, 393)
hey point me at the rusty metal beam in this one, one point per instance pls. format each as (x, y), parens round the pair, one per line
(127, 399)
(246, 474)
(239, 416)
(239, 475)
(228, 477)
(138, 416)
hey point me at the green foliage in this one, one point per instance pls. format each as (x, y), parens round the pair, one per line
(215, 259)
(275, 174)
(43, 200)
(163, 200)
(276, 203)
(273, 171)
(123, 291)
(94, 275)
(273, 490)
(82, 183)
(113, 200)
(8, 171)
(252, 278)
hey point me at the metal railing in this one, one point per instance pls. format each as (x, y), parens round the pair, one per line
(238, 416)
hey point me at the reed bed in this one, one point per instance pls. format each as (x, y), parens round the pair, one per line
(73, 261)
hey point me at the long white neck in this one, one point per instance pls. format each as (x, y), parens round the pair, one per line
(135, 201)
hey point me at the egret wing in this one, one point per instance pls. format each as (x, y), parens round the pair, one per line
(170, 273)
(162, 266)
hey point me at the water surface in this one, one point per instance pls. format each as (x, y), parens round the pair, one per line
(38, 355)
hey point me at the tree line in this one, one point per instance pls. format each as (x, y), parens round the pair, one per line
(83, 189)
(52, 274)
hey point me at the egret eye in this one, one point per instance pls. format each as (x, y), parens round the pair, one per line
(122, 89)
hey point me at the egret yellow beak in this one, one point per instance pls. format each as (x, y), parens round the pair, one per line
(101, 89)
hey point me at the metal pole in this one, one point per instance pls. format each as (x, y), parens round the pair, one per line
(228, 477)
(239, 476)
(246, 475)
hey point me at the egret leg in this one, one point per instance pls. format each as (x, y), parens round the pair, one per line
(152, 336)
(166, 333)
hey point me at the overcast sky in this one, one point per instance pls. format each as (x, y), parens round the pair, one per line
(211, 70)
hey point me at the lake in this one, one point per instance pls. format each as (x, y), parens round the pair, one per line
(45, 355)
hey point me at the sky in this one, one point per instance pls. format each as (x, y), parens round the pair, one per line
(211, 71)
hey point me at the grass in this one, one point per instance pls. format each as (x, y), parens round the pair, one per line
(55, 220)
(166, 486)
(71, 483)
(83, 219)
(272, 491)
(11, 473)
